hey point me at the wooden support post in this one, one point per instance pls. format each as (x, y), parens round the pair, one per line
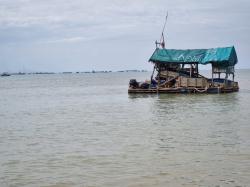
(197, 70)
(225, 81)
(152, 74)
(159, 79)
(190, 73)
(212, 75)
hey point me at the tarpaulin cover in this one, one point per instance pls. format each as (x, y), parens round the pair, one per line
(225, 56)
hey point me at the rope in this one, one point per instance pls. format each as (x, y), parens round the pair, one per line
(201, 91)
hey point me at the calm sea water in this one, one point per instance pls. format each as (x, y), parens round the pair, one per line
(85, 130)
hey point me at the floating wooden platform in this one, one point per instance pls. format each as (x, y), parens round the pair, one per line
(183, 90)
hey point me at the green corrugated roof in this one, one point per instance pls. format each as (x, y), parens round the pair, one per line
(225, 56)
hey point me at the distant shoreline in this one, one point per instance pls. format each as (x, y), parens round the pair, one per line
(72, 72)
(88, 72)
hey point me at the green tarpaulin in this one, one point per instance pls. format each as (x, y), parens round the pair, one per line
(224, 57)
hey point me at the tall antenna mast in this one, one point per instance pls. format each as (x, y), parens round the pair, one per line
(162, 39)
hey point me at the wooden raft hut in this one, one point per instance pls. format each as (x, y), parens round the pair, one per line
(177, 71)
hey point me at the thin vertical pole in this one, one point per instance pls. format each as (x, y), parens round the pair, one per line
(197, 70)
(159, 72)
(152, 74)
(212, 75)
(190, 70)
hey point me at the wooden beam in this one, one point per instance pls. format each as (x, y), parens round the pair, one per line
(190, 73)
(212, 75)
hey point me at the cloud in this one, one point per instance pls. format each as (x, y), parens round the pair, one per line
(71, 19)
(56, 24)
(68, 40)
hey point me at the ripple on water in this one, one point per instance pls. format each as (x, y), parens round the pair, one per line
(85, 130)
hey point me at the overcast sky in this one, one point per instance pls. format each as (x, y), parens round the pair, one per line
(85, 35)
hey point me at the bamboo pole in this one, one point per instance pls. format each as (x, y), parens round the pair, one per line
(212, 75)
(159, 79)
(152, 74)
(197, 70)
(190, 73)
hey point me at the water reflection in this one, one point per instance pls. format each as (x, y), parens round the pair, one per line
(141, 95)
(195, 122)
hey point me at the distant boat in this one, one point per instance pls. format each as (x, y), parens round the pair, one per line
(5, 74)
